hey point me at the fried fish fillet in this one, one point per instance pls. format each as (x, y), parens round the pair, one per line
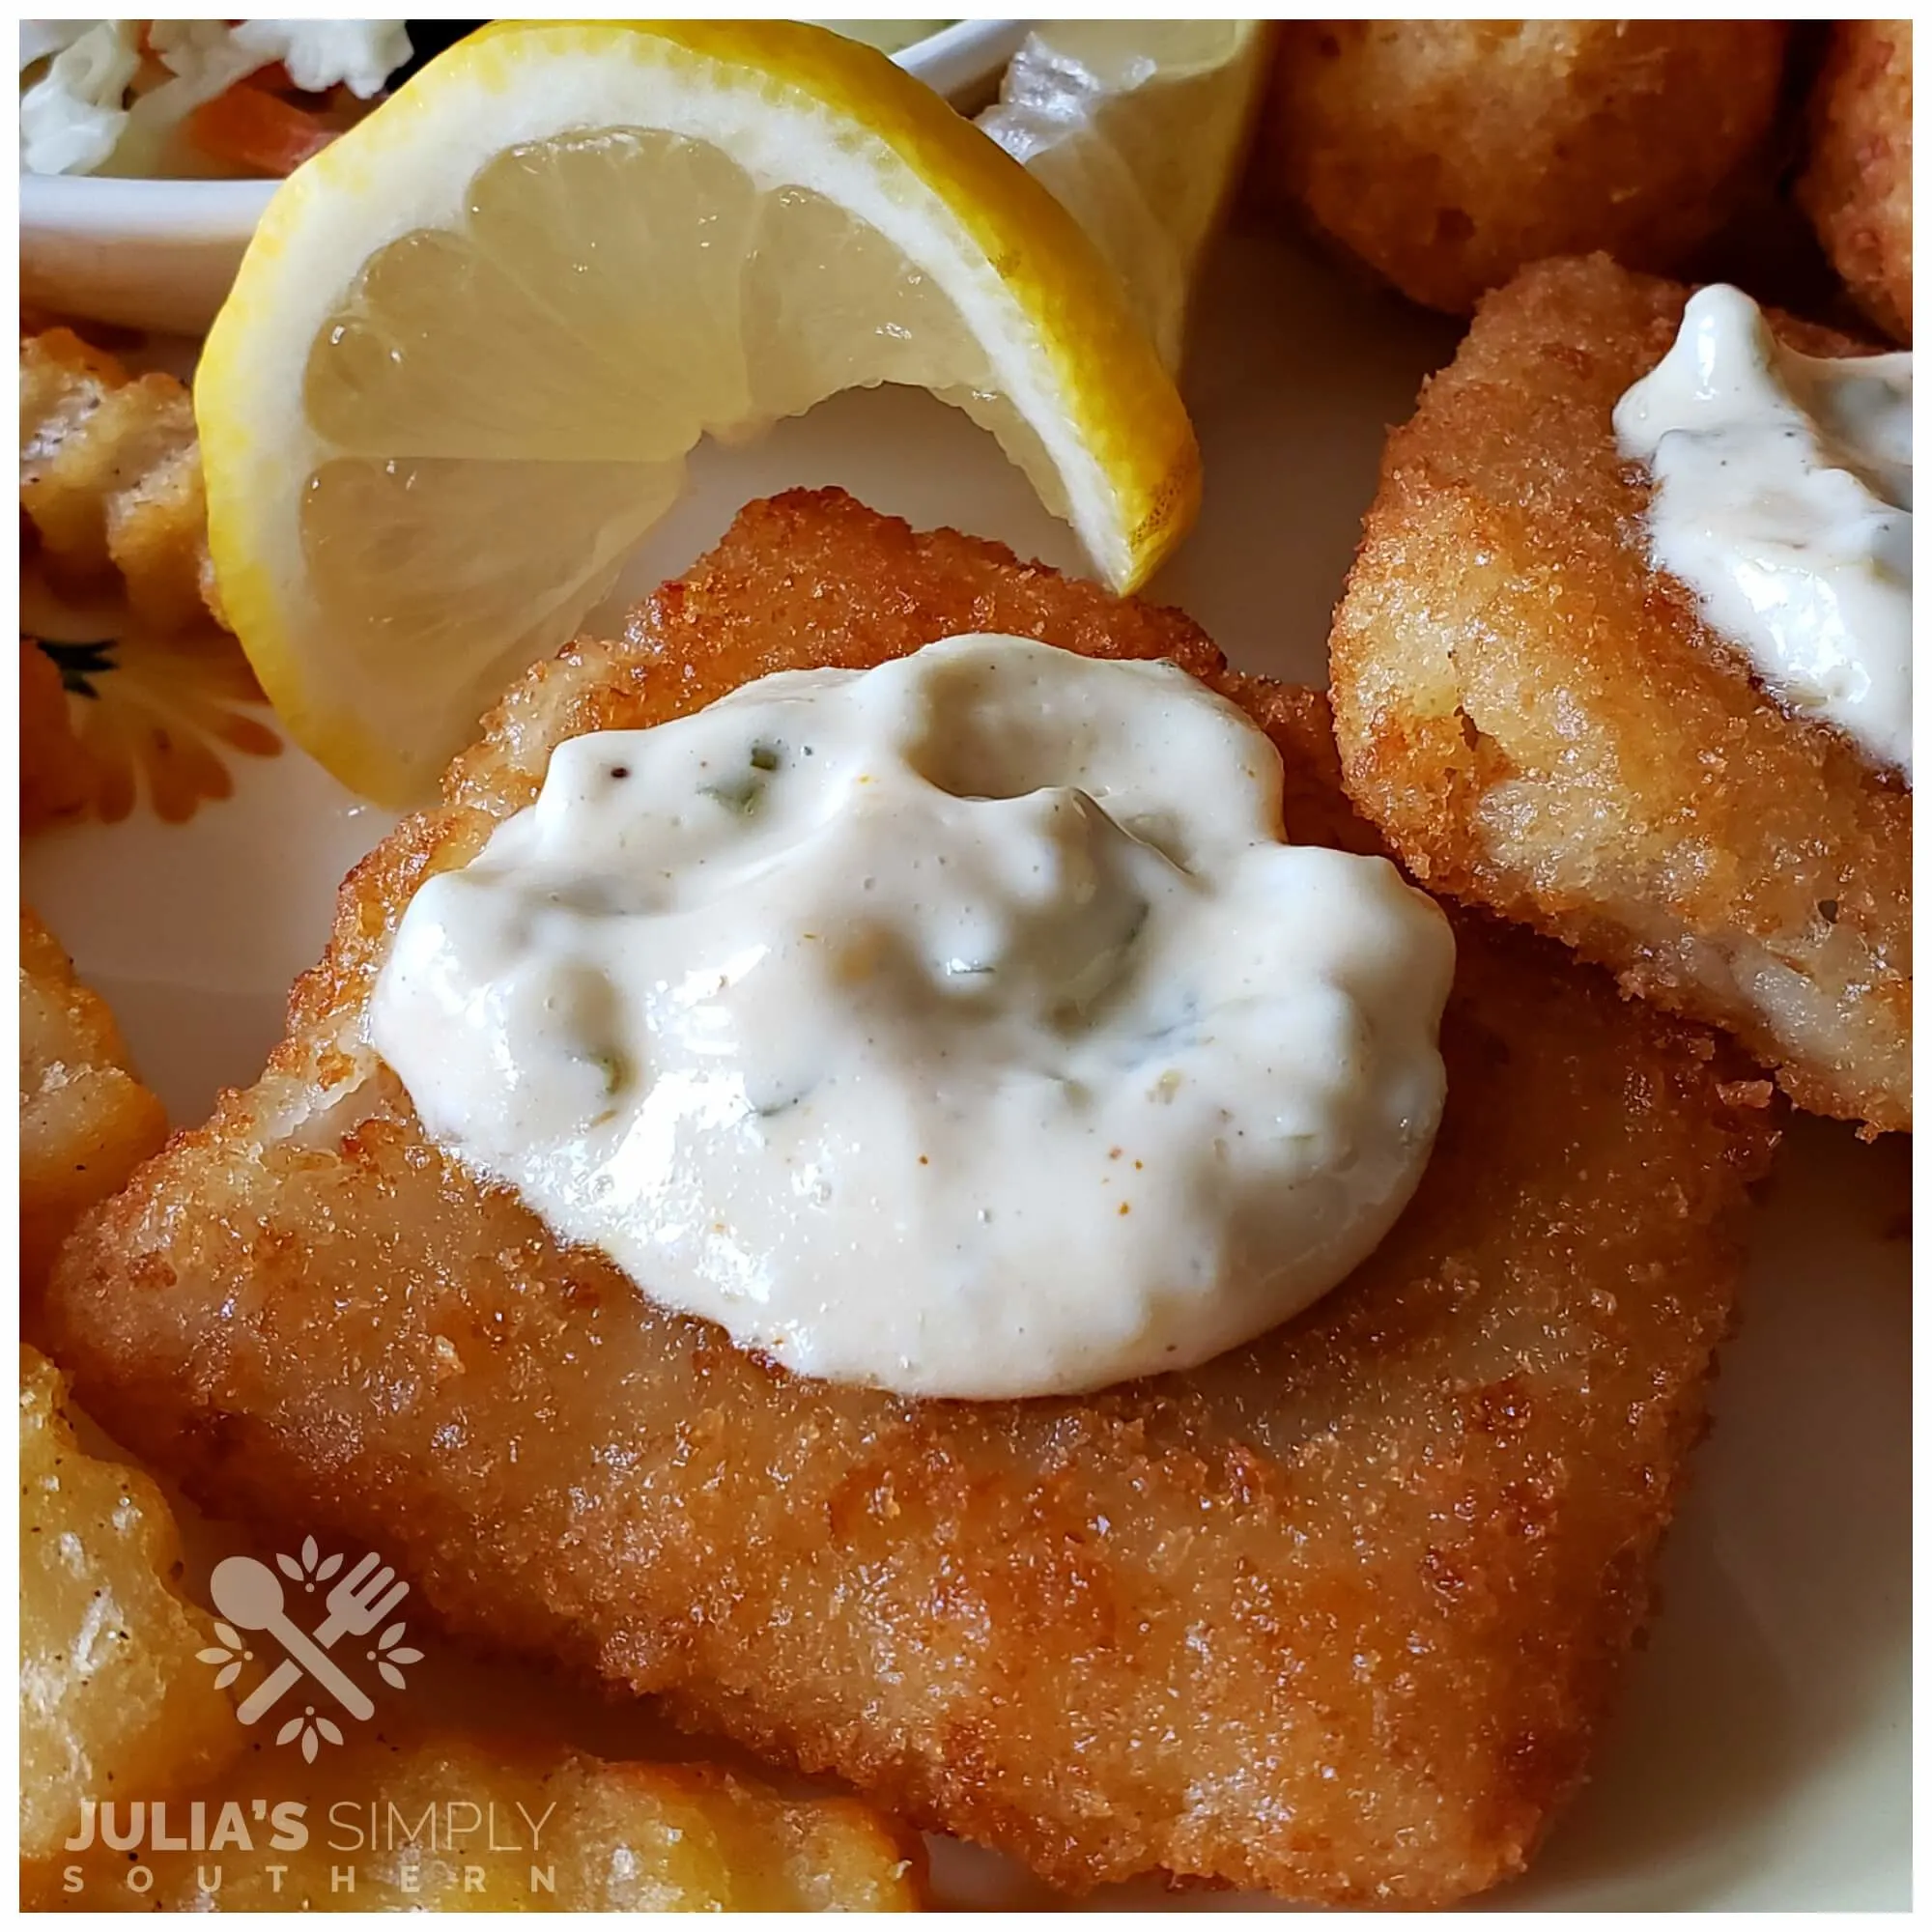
(86, 1120)
(1856, 187)
(1543, 725)
(1448, 153)
(1335, 1614)
(110, 477)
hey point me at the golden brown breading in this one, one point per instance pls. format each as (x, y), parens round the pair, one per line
(57, 776)
(1448, 153)
(1336, 1614)
(1858, 185)
(110, 477)
(86, 1122)
(112, 1700)
(600, 1838)
(1543, 725)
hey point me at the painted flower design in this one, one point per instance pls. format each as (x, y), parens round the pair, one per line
(148, 711)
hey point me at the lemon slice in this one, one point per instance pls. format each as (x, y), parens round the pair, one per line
(1139, 128)
(473, 340)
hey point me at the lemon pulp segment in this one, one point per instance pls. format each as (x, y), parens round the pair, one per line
(476, 339)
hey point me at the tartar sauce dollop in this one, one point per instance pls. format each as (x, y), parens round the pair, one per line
(962, 1027)
(1782, 497)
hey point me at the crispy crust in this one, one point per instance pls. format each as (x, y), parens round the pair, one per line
(1858, 186)
(1543, 725)
(110, 478)
(1336, 1614)
(1448, 153)
(86, 1122)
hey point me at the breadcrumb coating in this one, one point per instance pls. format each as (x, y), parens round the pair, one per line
(1857, 185)
(86, 1122)
(1336, 1614)
(1449, 154)
(1543, 725)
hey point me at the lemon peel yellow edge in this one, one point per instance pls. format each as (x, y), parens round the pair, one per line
(1046, 259)
(1049, 264)
(1052, 267)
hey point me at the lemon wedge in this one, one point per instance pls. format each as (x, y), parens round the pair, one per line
(473, 340)
(1139, 128)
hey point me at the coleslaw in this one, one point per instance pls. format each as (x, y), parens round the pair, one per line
(197, 98)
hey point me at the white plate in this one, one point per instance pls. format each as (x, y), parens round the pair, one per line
(161, 254)
(1761, 1756)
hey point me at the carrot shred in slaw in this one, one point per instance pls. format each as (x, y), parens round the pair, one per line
(253, 126)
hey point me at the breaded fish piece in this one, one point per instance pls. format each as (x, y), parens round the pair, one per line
(1335, 1614)
(1856, 187)
(1543, 725)
(110, 477)
(1449, 154)
(86, 1120)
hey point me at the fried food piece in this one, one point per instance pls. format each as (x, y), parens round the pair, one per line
(1447, 154)
(56, 775)
(1335, 1614)
(110, 478)
(504, 1825)
(1543, 725)
(112, 1700)
(1857, 185)
(86, 1122)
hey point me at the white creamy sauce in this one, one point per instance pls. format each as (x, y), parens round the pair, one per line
(962, 1027)
(1783, 500)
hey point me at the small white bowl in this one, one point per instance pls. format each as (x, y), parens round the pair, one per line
(161, 254)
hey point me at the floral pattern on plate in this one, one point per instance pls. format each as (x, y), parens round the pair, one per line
(138, 713)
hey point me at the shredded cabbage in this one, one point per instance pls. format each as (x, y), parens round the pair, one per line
(77, 118)
(40, 38)
(73, 117)
(359, 55)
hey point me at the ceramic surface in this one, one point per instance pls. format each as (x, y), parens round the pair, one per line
(1761, 1754)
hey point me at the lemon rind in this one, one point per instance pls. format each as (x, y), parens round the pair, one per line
(884, 147)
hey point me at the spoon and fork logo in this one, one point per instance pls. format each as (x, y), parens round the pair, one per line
(249, 1597)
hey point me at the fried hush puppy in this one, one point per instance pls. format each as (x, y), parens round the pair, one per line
(1448, 153)
(1856, 187)
(1543, 725)
(86, 1120)
(1336, 1614)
